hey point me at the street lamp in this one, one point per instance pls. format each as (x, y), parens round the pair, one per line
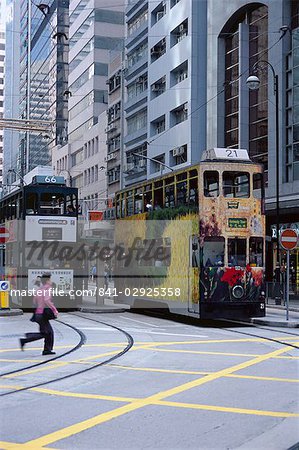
(69, 174)
(153, 159)
(253, 83)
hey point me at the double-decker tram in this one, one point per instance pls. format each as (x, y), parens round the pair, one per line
(192, 240)
(40, 219)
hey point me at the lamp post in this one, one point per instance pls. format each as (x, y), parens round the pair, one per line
(69, 174)
(253, 83)
(154, 160)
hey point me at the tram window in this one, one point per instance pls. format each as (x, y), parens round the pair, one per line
(237, 252)
(123, 207)
(169, 180)
(130, 203)
(236, 184)
(138, 201)
(181, 191)
(118, 207)
(181, 176)
(258, 185)
(213, 251)
(51, 203)
(71, 203)
(31, 203)
(256, 251)
(169, 196)
(211, 183)
(193, 192)
(158, 196)
(193, 173)
(194, 251)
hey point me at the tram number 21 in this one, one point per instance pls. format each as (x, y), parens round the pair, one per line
(231, 153)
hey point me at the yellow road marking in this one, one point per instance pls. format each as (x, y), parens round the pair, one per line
(104, 417)
(210, 341)
(198, 352)
(22, 360)
(83, 395)
(256, 412)
(195, 372)
(11, 446)
(39, 369)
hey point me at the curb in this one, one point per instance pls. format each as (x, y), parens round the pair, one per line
(275, 323)
(102, 310)
(11, 312)
(283, 308)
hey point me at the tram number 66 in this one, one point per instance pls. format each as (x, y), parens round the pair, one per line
(50, 179)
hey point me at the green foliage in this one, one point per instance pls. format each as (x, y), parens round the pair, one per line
(171, 213)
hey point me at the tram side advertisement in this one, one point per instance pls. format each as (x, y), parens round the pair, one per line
(49, 228)
(62, 280)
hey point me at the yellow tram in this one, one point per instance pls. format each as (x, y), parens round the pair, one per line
(192, 240)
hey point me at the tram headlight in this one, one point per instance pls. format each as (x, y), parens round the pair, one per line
(238, 291)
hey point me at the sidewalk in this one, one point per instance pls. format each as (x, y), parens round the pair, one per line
(276, 316)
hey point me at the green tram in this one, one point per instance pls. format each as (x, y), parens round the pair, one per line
(41, 221)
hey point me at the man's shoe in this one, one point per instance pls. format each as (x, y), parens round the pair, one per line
(48, 352)
(22, 344)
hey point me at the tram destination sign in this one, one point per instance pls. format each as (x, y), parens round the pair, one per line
(237, 222)
(48, 179)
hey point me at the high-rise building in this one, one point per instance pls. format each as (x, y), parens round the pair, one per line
(186, 66)
(96, 28)
(2, 64)
(44, 45)
(12, 86)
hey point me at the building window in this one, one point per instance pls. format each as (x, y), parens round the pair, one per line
(138, 54)
(178, 155)
(113, 175)
(179, 114)
(113, 143)
(158, 12)
(179, 74)
(155, 166)
(158, 125)
(137, 87)
(292, 112)
(179, 33)
(257, 21)
(158, 87)
(158, 50)
(137, 122)
(113, 113)
(114, 82)
(135, 23)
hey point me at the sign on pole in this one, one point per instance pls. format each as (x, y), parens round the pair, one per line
(4, 235)
(288, 240)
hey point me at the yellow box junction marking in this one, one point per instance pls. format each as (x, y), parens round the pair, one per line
(159, 397)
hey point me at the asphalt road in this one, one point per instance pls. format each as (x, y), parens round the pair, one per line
(177, 387)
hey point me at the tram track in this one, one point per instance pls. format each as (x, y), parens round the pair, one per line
(130, 343)
(32, 366)
(261, 328)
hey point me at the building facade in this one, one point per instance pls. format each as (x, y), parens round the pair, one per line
(241, 34)
(95, 30)
(44, 44)
(12, 87)
(186, 66)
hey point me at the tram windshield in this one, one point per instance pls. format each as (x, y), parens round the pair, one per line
(213, 251)
(237, 252)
